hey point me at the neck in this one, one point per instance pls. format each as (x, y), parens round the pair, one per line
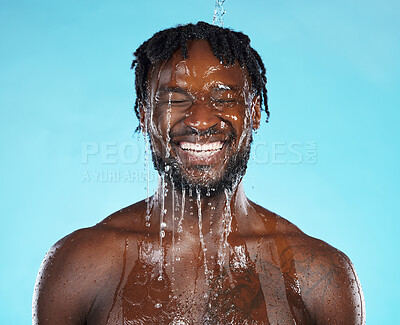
(182, 211)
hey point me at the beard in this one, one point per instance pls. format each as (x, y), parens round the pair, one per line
(228, 179)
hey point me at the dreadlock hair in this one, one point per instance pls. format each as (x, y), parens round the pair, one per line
(227, 45)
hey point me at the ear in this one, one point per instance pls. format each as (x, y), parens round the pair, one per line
(256, 112)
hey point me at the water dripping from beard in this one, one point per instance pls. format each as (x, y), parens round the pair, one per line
(234, 171)
(202, 243)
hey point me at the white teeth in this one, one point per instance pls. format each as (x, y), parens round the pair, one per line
(212, 146)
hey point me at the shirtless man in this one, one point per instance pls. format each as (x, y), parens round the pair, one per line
(198, 251)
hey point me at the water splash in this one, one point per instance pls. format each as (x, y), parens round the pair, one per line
(162, 225)
(219, 12)
(173, 238)
(226, 230)
(168, 137)
(248, 112)
(164, 190)
(147, 166)
(118, 288)
(203, 246)
(180, 228)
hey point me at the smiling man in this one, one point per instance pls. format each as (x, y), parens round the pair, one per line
(198, 251)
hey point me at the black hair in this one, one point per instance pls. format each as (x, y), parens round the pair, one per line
(227, 45)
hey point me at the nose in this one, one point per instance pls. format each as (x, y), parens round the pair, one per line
(201, 116)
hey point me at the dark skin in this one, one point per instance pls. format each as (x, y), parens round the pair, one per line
(122, 271)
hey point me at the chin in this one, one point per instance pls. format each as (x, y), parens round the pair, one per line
(203, 179)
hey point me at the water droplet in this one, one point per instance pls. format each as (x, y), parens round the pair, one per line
(162, 233)
(158, 305)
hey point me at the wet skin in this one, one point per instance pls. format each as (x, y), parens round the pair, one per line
(122, 271)
(189, 99)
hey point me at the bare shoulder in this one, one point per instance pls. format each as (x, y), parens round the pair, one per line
(81, 268)
(130, 218)
(324, 275)
(81, 249)
(330, 285)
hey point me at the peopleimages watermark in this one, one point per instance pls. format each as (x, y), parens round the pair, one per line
(111, 161)
(111, 152)
(115, 176)
(285, 152)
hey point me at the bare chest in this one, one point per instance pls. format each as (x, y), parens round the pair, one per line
(238, 286)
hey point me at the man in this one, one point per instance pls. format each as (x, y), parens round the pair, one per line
(198, 251)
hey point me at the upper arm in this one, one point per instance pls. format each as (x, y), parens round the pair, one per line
(332, 291)
(61, 294)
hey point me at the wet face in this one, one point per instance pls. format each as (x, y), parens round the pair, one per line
(200, 117)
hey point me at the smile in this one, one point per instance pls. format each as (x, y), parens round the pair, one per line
(201, 152)
(202, 148)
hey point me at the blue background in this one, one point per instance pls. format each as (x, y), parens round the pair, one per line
(333, 82)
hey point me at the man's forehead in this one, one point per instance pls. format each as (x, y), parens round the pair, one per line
(201, 67)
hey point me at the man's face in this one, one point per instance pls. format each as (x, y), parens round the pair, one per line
(199, 118)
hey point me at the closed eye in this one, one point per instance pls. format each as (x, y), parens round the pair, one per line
(174, 97)
(178, 103)
(224, 100)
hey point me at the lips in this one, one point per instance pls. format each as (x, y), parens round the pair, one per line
(201, 153)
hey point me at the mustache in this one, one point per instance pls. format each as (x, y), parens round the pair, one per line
(188, 131)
